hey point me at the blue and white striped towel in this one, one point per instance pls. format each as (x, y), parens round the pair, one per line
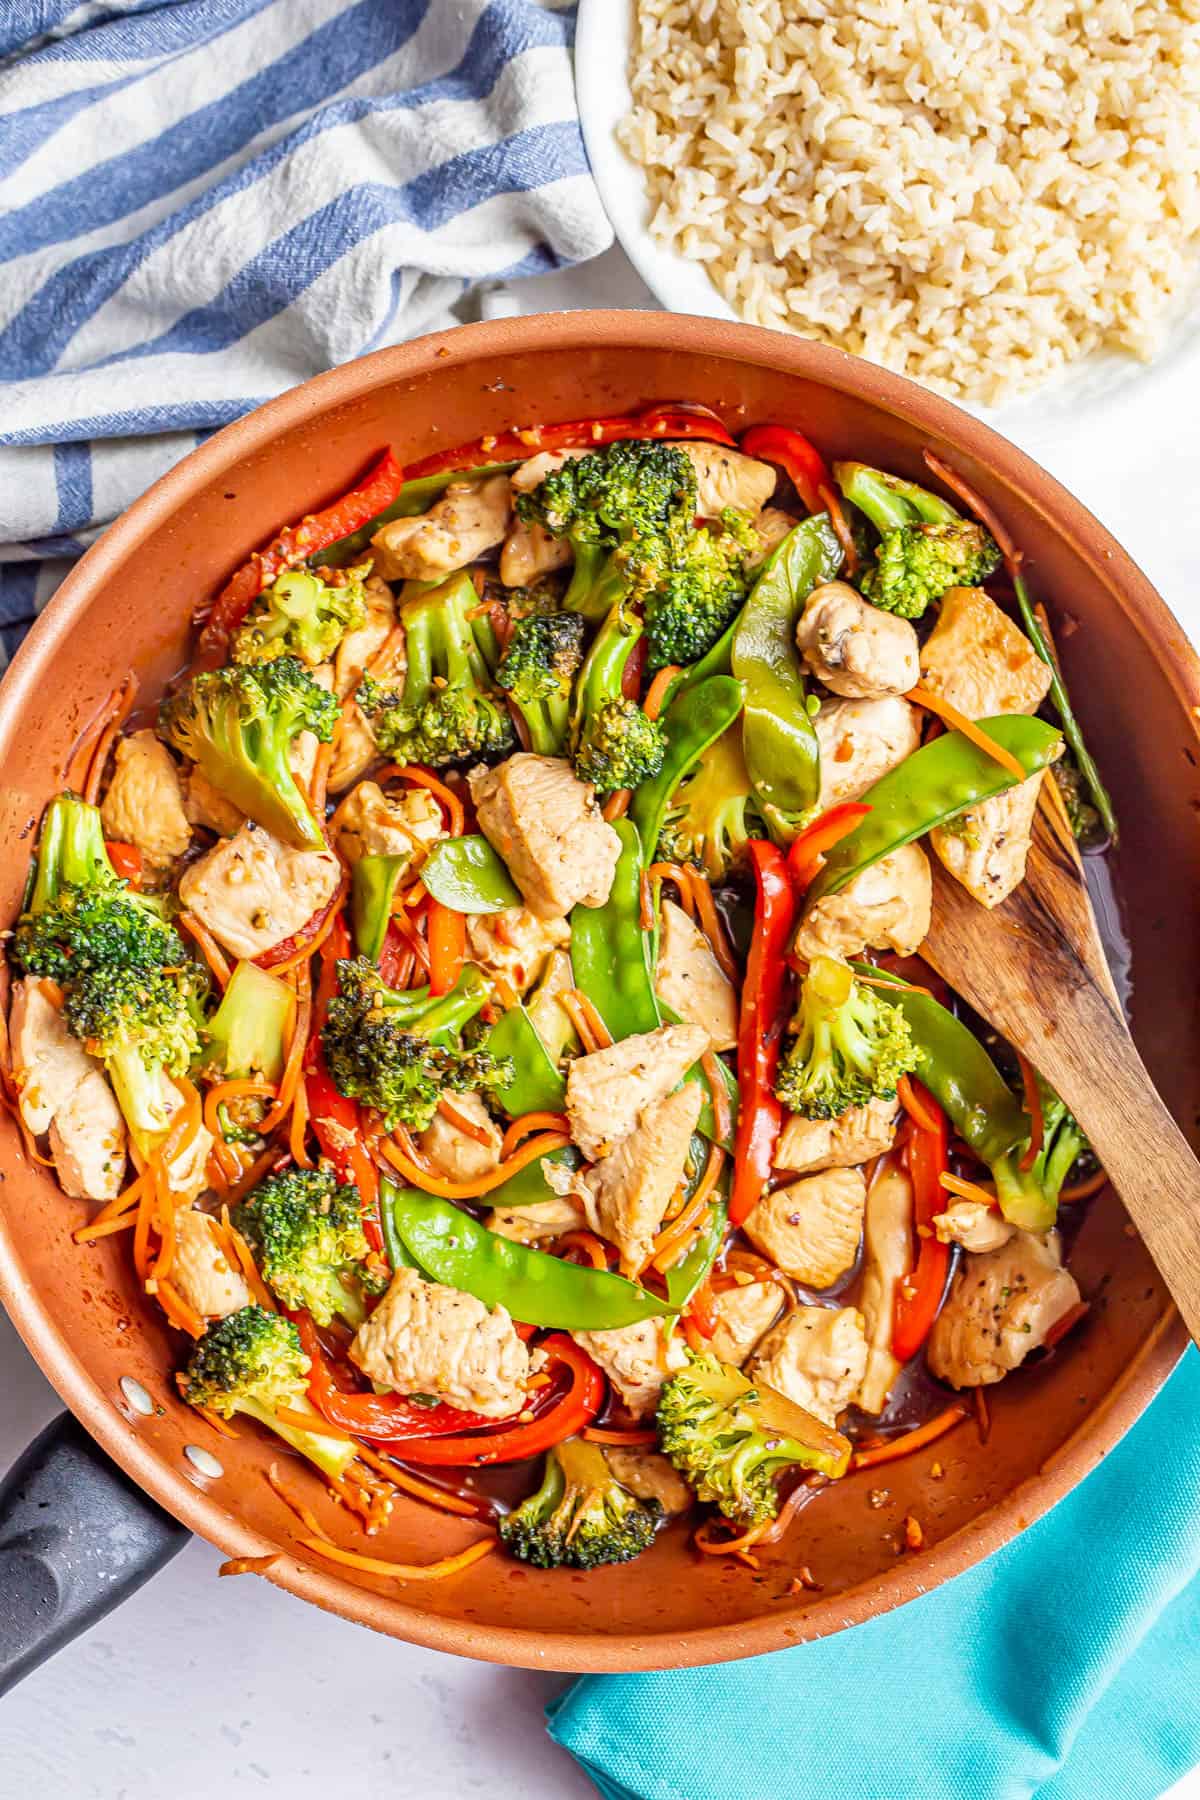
(204, 202)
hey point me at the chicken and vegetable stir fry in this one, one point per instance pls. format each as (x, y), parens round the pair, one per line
(487, 994)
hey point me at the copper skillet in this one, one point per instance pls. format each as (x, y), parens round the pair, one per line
(1137, 686)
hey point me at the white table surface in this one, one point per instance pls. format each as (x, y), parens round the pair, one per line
(197, 1688)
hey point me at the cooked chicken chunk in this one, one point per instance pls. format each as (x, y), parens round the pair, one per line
(206, 805)
(470, 518)
(727, 478)
(514, 944)
(811, 1228)
(359, 647)
(816, 1357)
(973, 1225)
(187, 1170)
(461, 1155)
(48, 1062)
(649, 1476)
(251, 891)
(608, 1090)
(986, 847)
(543, 1219)
(372, 647)
(976, 658)
(531, 474)
(770, 528)
(637, 1360)
(887, 1258)
(854, 648)
(631, 1189)
(854, 1137)
(202, 1272)
(530, 551)
(887, 906)
(860, 740)
(423, 1338)
(372, 823)
(144, 802)
(743, 1314)
(87, 1141)
(691, 980)
(302, 757)
(1000, 1308)
(548, 828)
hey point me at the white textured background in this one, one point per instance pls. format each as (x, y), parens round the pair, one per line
(197, 1688)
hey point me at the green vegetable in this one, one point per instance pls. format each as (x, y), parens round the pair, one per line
(536, 1085)
(304, 1228)
(614, 744)
(301, 615)
(247, 1035)
(239, 723)
(414, 497)
(693, 723)
(683, 1280)
(533, 1286)
(1062, 705)
(538, 666)
(580, 1517)
(528, 1186)
(690, 609)
(550, 1018)
(848, 1045)
(612, 956)
(713, 813)
(778, 736)
(925, 545)
(935, 783)
(468, 876)
(252, 1363)
(373, 882)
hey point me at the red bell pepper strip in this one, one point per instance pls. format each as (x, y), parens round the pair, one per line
(795, 456)
(808, 850)
(392, 955)
(666, 420)
(295, 543)
(337, 1123)
(447, 936)
(765, 995)
(126, 860)
(384, 1417)
(568, 1413)
(919, 1297)
(292, 946)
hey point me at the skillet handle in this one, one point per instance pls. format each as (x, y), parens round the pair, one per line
(76, 1538)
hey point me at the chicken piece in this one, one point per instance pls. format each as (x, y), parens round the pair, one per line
(529, 551)
(252, 892)
(743, 1315)
(360, 646)
(375, 647)
(470, 518)
(48, 1061)
(87, 1141)
(302, 757)
(649, 1476)
(887, 1258)
(1001, 1307)
(860, 740)
(976, 658)
(187, 1171)
(854, 648)
(206, 805)
(424, 1338)
(854, 1137)
(531, 474)
(887, 906)
(144, 803)
(372, 823)
(543, 1219)
(691, 980)
(514, 944)
(986, 847)
(457, 1154)
(811, 1228)
(816, 1357)
(972, 1225)
(203, 1274)
(727, 478)
(549, 830)
(771, 527)
(637, 1360)
(631, 1189)
(608, 1090)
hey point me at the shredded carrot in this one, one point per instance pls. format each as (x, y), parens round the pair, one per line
(119, 708)
(714, 1075)
(238, 1256)
(668, 1244)
(463, 1122)
(910, 1101)
(165, 1216)
(674, 872)
(373, 1565)
(896, 1447)
(216, 1421)
(1083, 1190)
(656, 693)
(222, 1092)
(968, 1190)
(208, 947)
(881, 981)
(118, 1208)
(738, 1546)
(841, 530)
(250, 1565)
(617, 805)
(1013, 557)
(418, 945)
(185, 1317)
(1054, 807)
(319, 786)
(83, 755)
(531, 1121)
(88, 1234)
(570, 1005)
(645, 902)
(302, 1421)
(305, 1514)
(421, 1490)
(254, 1174)
(711, 924)
(589, 1243)
(696, 1341)
(413, 896)
(293, 1069)
(423, 778)
(975, 734)
(598, 1031)
(644, 1439)
(983, 1414)
(529, 1151)
(298, 1128)
(1033, 1106)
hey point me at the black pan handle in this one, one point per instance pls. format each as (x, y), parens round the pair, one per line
(76, 1538)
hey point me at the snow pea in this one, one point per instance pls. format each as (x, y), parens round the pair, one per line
(529, 1185)
(533, 1286)
(611, 954)
(782, 754)
(932, 785)
(414, 497)
(536, 1084)
(706, 1124)
(468, 876)
(694, 720)
(687, 1275)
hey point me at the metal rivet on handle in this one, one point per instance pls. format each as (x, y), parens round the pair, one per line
(136, 1395)
(203, 1461)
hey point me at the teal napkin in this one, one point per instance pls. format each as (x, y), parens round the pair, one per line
(1067, 1666)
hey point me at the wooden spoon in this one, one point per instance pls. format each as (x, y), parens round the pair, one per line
(1034, 967)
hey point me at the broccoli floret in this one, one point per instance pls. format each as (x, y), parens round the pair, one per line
(712, 813)
(252, 1363)
(239, 723)
(925, 545)
(145, 1024)
(1029, 1197)
(446, 711)
(614, 744)
(701, 595)
(537, 669)
(581, 1516)
(731, 1441)
(850, 1046)
(304, 615)
(399, 1052)
(305, 1229)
